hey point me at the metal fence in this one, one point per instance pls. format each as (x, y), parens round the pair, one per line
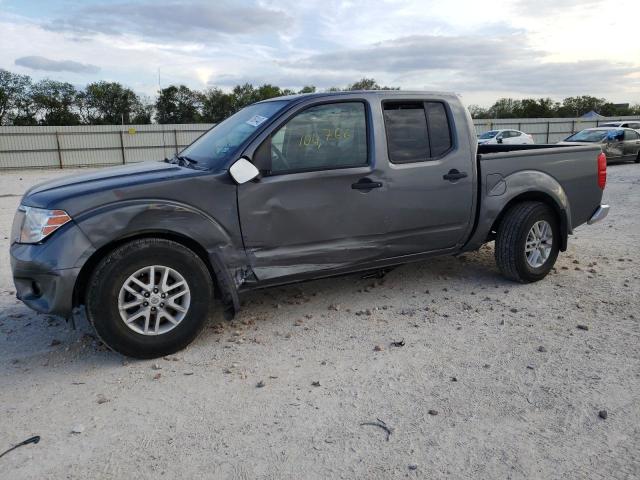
(92, 145)
(103, 145)
(544, 130)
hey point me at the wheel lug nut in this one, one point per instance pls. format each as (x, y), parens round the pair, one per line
(163, 295)
(146, 304)
(155, 290)
(153, 309)
(162, 304)
(146, 294)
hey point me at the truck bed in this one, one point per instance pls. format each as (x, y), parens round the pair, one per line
(568, 172)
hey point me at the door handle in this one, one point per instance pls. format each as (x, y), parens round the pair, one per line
(365, 184)
(454, 175)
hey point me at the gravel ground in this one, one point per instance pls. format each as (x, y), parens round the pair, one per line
(495, 380)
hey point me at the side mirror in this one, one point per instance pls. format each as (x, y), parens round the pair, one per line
(243, 171)
(499, 139)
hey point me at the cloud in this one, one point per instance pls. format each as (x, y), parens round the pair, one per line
(470, 63)
(196, 21)
(36, 62)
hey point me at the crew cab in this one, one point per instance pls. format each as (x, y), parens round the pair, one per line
(290, 189)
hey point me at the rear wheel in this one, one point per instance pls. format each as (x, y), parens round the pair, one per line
(528, 242)
(149, 298)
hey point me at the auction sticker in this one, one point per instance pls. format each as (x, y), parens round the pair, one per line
(256, 120)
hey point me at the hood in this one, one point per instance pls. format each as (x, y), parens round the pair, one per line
(54, 193)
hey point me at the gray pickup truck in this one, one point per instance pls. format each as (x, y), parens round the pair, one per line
(291, 189)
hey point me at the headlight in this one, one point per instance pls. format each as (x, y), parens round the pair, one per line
(32, 225)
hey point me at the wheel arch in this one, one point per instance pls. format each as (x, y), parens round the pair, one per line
(224, 288)
(542, 197)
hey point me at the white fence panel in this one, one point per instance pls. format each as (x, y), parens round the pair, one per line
(92, 145)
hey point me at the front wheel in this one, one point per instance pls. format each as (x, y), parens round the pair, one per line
(149, 298)
(528, 242)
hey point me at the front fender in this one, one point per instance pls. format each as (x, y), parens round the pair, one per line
(133, 218)
(500, 193)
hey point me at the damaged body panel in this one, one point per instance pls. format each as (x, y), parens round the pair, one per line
(321, 185)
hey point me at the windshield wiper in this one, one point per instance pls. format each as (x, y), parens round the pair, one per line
(182, 160)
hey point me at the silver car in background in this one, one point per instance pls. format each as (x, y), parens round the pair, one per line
(618, 144)
(633, 124)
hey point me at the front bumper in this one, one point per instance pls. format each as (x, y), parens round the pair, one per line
(45, 274)
(600, 214)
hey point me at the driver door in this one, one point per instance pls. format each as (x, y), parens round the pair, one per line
(318, 205)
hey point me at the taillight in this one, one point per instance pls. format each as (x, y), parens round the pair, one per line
(602, 170)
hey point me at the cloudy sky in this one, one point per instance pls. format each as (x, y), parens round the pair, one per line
(481, 49)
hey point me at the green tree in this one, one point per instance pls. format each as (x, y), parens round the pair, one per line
(504, 108)
(55, 102)
(108, 103)
(477, 111)
(577, 106)
(307, 89)
(14, 95)
(178, 105)
(368, 84)
(535, 108)
(217, 105)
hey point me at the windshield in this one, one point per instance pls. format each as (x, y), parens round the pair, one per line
(218, 144)
(588, 136)
(489, 134)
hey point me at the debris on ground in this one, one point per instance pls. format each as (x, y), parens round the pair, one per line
(378, 348)
(379, 423)
(260, 384)
(398, 344)
(101, 399)
(603, 414)
(583, 327)
(78, 429)
(316, 383)
(433, 412)
(33, 440)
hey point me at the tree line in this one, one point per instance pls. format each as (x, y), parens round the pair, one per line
(548, 108)
(51, 102)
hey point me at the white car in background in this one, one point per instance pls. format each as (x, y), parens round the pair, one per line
(633, 124)
(508, 137)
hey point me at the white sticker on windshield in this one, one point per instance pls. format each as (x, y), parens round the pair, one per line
(256, 120)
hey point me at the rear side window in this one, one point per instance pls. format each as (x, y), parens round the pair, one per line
(416, 131)
(318, 138)
(631, 135)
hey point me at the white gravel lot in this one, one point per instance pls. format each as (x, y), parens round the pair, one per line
(512, 411)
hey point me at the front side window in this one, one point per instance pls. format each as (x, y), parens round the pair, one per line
(489, 134)
(417, 131)
(631, 135)
(318, 138)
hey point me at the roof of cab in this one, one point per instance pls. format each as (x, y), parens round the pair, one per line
(381, 93)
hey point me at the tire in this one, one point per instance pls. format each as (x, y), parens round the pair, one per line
(514, 229)
(638, 158)
(106, 295)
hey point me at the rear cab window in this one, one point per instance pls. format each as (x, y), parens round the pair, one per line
(416, 131)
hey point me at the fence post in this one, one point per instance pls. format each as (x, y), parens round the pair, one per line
(548, 129)
(175, 140)
(58, 148)
(124, 159)
(573, 126)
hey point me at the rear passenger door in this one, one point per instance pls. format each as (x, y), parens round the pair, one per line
(631, 143)
(429, 179)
